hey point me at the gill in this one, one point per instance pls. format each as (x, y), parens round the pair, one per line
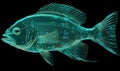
(26, 46)
(29, 36)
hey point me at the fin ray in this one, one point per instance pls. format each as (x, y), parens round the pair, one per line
(65, 10)
(48, 57)
(77, 51)
(51, 37)
(107, 37)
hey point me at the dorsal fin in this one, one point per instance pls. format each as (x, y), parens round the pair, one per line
(65, 10)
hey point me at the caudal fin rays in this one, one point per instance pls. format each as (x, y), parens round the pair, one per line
(107, 37)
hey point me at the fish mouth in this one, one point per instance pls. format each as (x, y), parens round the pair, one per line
(9, 40)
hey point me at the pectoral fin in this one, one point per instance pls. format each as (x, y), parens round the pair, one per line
(48, 57)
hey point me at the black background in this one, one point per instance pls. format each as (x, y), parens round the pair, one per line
(96, 10)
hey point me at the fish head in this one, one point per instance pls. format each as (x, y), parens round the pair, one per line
(19, 35)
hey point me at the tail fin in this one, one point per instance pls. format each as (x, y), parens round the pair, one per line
(106, 33)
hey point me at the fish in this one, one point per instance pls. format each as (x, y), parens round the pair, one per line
(58, 27)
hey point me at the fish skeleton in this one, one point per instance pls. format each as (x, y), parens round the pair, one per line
(57, 27)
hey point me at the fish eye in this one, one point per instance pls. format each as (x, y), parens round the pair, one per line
(16, 30)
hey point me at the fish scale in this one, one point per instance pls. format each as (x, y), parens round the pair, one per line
(63, 39)
(58, 27)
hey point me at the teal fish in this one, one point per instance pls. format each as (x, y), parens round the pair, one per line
(57, 27)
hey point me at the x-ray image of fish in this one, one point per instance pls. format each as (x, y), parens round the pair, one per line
(57, 27)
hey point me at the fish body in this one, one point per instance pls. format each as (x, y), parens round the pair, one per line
(57, 27)
(54, 31)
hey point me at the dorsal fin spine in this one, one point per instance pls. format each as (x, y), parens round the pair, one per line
(66, 10)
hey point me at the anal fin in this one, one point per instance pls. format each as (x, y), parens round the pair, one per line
(77, 51)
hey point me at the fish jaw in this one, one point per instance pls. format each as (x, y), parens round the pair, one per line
(9, 40)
